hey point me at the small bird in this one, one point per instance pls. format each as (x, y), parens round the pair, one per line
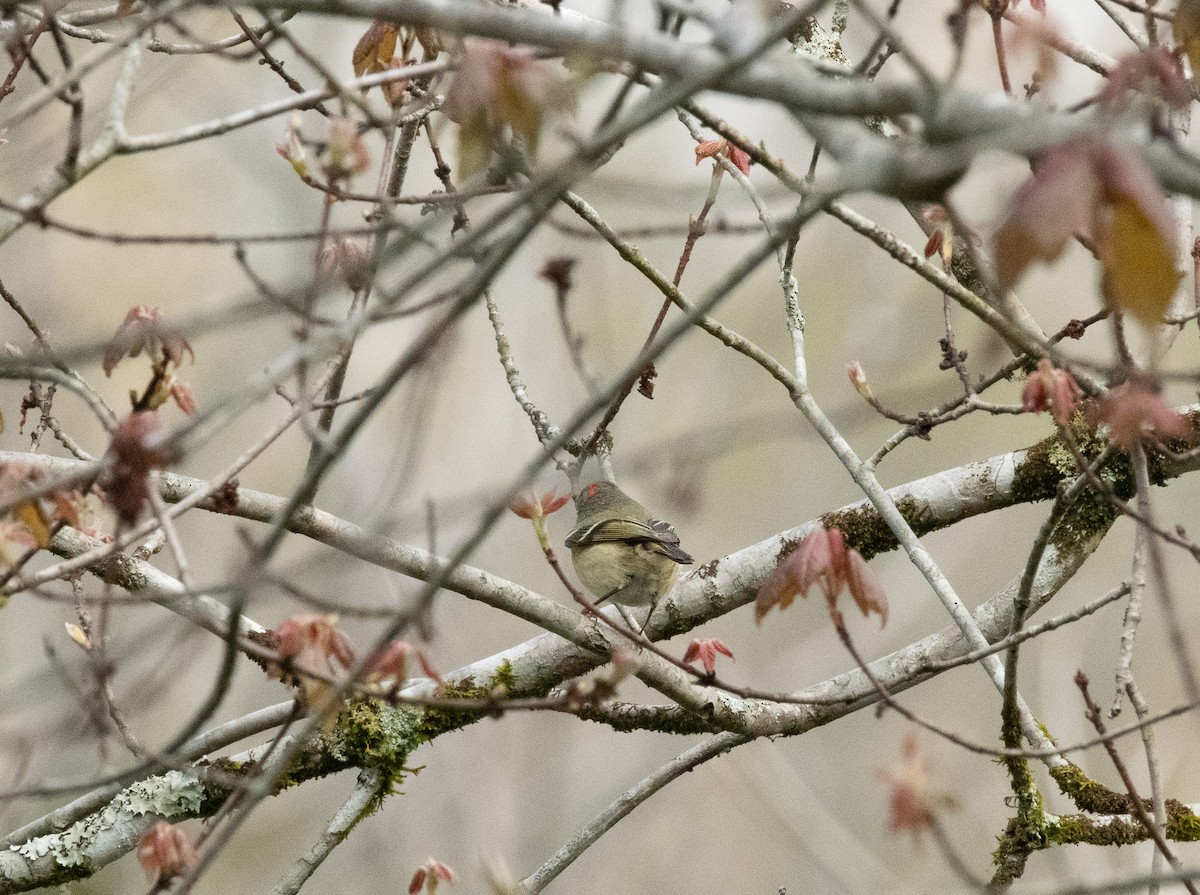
(619, 552)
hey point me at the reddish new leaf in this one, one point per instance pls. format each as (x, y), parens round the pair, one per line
(823, 558)
(914, 796)
(181, 394)
(395, 91)
(1057, 201)
(557, 272)
(428, 875)
(532, 505)
(499, 86)
(392, 662)
(1051, 389)
(315, 649)
(165, 852)
(934, 244)
(145, 329)
(1102, 189)
(706, 650)
(712, 148)
(813, 559)
(868, 596)
(137, 448)
(1135, 410)
(1154, 71)
(858, 378)
(313, 640)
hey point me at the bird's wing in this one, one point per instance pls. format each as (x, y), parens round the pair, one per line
(667, 542)
(656, 534)
(611, 530)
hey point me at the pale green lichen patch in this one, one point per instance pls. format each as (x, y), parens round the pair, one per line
(168, 794)
(171, 794)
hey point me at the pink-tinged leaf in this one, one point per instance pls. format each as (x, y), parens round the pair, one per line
(819, 558)
(532, 505)
(392, 662)
(165, 852)
(867, 595)
(428, 875)
(823, 558)
(395, 91)
(1057, 201)
(713, 148)
(1051, 389)
(936, 221)
(418, 881)
(858, 378)
(915, 798)
(1135, 410)
(496, 86)
(740, 158)
(1154, 71)
(934, 244)
(137, 447)
(708, 149)
(706, 650)
(181, 394)
(1124, 174)
(292, 148)
(314, 639)
(795, 574)
(428, 667)
(175, 345)
(134, 335)
(314, 648)
(145, 329)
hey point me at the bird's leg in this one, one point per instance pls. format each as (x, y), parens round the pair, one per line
(625, 616)
(649, 615)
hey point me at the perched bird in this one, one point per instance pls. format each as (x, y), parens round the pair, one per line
(619, 552)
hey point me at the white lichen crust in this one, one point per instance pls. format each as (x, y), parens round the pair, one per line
(173, 794)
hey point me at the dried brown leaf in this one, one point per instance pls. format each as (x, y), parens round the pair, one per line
(375, 49)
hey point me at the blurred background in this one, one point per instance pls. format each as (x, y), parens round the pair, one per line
(720, 452)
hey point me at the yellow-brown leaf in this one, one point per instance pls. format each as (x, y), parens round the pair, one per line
(375, 49)
(1187, 30)
(35, 520)
(1139, 263)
